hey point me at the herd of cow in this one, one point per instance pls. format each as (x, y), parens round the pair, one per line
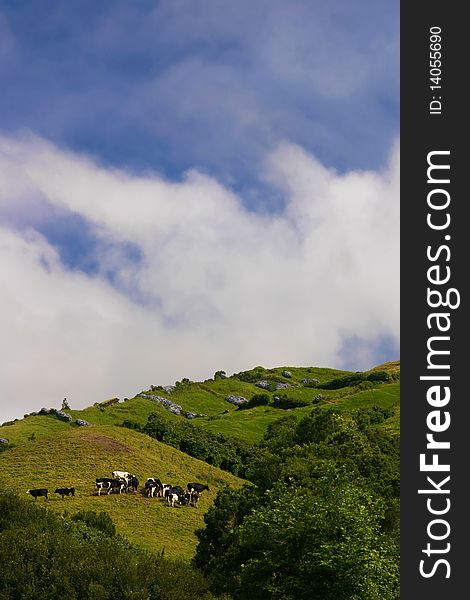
(122, 481)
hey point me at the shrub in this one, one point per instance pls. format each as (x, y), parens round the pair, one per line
(256, 400)
(285, 403)
(100, 521)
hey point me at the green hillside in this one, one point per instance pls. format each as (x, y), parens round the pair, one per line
(76, 456)
(45, 451)
(208, 398)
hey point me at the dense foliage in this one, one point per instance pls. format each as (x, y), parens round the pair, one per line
(47, 557)
(321, 520)
(230, 454)
(359, 379)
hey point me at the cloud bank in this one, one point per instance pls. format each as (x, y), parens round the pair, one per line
(208, 285)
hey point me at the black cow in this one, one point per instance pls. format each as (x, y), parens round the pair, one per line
(185, 498)
(39, 492)
(65, 492)
(133, 483)
(197, 487)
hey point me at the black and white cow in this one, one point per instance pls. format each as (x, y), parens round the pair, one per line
(194, 498)
(185, 498)
(124, 474)
(65, 492)
(162, 492)
(153, 486)
(130, 479)
(38, 492)
(197, 487)
(173, 496)
(103, 484)
(118, 485)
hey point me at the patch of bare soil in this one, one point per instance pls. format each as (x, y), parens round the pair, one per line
(108, 443)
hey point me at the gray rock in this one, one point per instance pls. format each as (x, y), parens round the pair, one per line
(287, 374)
(63, 416)
(4, 441)
(236, 400)
(264, 384)
(282, 386)
(174, 408)
(82, 423)
(168, 388)
(310, 382)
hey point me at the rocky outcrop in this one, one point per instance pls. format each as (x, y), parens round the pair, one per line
(236, 400)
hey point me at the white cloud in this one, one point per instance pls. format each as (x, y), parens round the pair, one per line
(223, 288)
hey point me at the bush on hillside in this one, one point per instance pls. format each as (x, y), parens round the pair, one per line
(284, 402)
(230, 454)
(327, 493)
(256, 400)
(100, 521)
(356, 379)
(43, 555)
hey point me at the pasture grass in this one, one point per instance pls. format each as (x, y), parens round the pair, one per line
(74, 457)
(208, 398)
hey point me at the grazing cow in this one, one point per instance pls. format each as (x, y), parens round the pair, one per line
(38, 492)
(173, 495)
(103, 483)
(153, 485)
(197, 487)
(165, 487)
(128, 478)
(118, 485)
(185, 498)
(65, 492)
(133, 483)
(123, 475)
(194, 498)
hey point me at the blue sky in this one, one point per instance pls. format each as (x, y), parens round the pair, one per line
(207, 122)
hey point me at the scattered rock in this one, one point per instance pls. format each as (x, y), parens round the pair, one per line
(287, 374)
(282, 386)
(192, 415)
(63, 416)
(310, 382)
(236, 400)
(264, 384)
(174, 408)
(82, 423)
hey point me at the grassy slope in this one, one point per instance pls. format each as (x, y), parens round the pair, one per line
(46, 452)
(222, 417)
(76, 456)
